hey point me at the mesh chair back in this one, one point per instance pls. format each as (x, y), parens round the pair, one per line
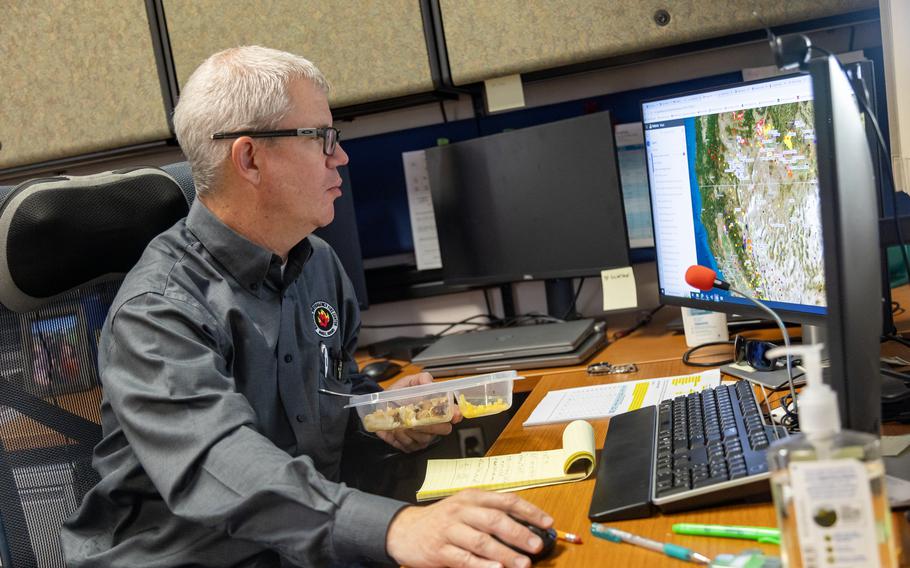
(65, 243)
(49, 419)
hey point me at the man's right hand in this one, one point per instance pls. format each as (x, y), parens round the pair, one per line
(459, 531)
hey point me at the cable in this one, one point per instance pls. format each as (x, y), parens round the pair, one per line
(690, 352)
(896, 339)
(534, 317)
(823, 51)
(571, 310)
(864, 105)
(645, 320)
(784, 334)
(442, 107)
(894, 206)
(895, 374)
(486, 298)
(467, 321)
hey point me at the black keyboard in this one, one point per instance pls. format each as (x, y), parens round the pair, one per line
(693, 451)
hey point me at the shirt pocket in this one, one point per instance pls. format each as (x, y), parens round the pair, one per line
(333, 416)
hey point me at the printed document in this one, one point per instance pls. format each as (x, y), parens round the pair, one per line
(601, 401)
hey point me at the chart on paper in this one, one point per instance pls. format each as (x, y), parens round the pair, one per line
(601, 401)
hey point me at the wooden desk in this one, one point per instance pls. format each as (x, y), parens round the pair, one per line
(568, 503)
(653, 343)
(657, 354)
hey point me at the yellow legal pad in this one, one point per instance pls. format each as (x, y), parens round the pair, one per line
(573, 462)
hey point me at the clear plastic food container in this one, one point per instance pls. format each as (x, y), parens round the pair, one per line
(434, 403)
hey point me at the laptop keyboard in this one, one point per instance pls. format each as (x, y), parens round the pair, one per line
(698, 450)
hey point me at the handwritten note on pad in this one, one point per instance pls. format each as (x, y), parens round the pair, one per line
(573, 462)
(601, 401)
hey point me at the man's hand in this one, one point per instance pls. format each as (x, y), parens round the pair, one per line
(460, 530)
(418, 438)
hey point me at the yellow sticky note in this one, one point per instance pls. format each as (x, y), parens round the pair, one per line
(504, 93)
(619, 289)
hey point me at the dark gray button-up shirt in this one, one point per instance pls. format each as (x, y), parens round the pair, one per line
(218, 450)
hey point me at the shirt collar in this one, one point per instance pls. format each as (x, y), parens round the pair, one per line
(246, 261)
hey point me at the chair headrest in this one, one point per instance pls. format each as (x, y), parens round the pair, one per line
(61, 233)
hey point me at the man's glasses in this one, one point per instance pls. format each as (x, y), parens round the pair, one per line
(329, 135)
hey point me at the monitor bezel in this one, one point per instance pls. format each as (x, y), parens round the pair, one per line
(587, 272)
(731, 304)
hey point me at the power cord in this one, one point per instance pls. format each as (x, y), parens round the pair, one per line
(688, 354)
(643, 321)
(572, 308)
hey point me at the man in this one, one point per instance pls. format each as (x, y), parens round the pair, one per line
(218, 449)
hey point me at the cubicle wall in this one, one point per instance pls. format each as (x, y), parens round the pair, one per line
(369, 50)
(493, 38)
(81, 77)
(76, 77)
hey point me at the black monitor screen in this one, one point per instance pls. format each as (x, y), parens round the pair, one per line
(341, 234)
(529, 204)
(733, 177)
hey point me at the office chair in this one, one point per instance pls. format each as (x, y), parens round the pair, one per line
(65, 244)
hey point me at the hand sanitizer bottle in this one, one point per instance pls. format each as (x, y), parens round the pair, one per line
(828, 484)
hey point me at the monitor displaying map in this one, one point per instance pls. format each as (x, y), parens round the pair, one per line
(732, 175)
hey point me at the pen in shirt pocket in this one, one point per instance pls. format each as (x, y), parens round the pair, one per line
(323, 350)
(339, 364)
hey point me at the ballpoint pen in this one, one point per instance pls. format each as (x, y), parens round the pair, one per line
(766, 535)
(568, 537)
(671, 550)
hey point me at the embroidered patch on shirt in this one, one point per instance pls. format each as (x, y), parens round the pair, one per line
(325, 318)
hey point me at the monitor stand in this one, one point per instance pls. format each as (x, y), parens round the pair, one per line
(560, 298)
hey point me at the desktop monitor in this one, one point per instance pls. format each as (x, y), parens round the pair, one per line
(733, 178)
(537, 203)
(341, 233)
(771, 184)
(851, 235)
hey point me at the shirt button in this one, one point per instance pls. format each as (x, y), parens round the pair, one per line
(300, 418)
(288, 358)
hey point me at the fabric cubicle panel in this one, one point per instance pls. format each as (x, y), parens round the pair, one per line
(367, 50)
(78, 77)
(487, 39)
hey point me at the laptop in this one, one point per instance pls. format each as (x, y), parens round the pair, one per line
(506, 343)
(591, 345)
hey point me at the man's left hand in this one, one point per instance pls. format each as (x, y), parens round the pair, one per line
(419, 437)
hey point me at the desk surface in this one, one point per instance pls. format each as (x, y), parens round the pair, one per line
(568, 503)
(657, 354)
(650, 345)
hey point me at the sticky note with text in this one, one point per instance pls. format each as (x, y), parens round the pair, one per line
(619, 289)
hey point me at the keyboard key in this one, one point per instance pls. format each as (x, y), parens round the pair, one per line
(696, 442)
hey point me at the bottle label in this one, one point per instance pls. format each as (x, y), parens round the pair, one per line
(834, 518)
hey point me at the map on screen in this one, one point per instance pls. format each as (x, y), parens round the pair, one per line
(755, 176)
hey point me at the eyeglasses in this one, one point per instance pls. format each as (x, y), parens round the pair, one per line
(752, 352)
(330, 136)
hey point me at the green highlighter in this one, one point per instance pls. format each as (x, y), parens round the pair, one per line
(765, 535)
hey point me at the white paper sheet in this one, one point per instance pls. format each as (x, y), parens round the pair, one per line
(601, 401)
(420, 206)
